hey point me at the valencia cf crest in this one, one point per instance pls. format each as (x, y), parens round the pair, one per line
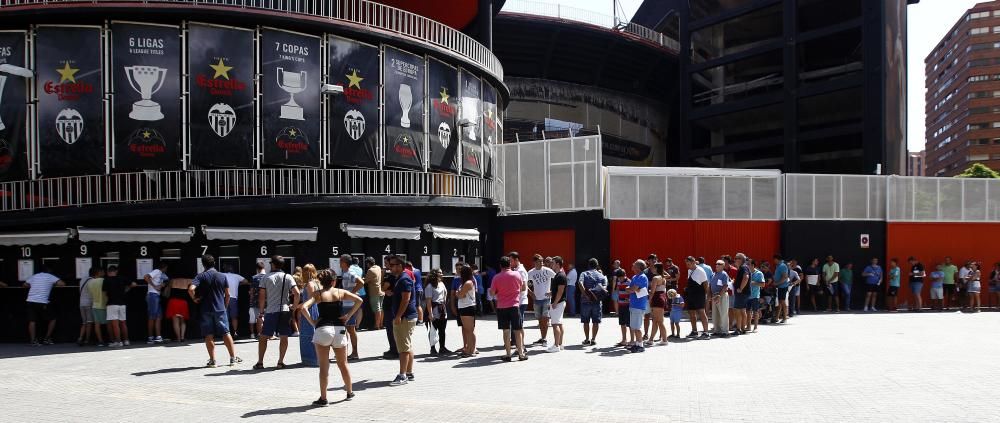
(292, 140)
(222, 119)
(444, 134)
(354, 123)
(146, 142)
(69, 125)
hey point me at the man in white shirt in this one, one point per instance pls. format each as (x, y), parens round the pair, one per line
(154, 313)
(572, 277)
(540, 283)
(233, 309)
(39, 288)
(352, 278)
(694, 298)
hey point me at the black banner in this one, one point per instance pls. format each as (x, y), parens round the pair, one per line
(471, 133)
(146, 65)
(290, 114)
(404, 109)
(443, 84)
(70, 104)
(221, 119)
(13, 99)
(354, 118)
(491, 127)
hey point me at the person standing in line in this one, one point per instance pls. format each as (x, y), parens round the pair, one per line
(974, 287)
(116, 289)
(572, 277)
(87, 309)
(676, 313)
(100, 307)
(812, 281)
(540, 285)
(516, 265)
(720, 300)
(937, 289)
(352, 280)
(995, 283)
(310, 284)
(873, 281)
(154, 285)
(256, 318)
(234, 281)
(418, 286)
(795, 291)
(731, 271)
(651, 261)
(437, 297)
(673, 275)
(657, 290)
(211, 290)
(558, 306)
(373, 284)
(962, 283)
(709, 271)
(593, 288)
(757, 281)
(506, 288)
(330, 330)
(621, 283)
(39, 288)
(846, 282)
(694, 295)
(615, 265)
(638, 296)
(781, 284)
(466, 303)
(404, 303)
(831, 278)
(741, 288)
(478, 276)
(388, 284)
(948, 269)
(178, 309)
(917, 275)
(894, 273)
(273, 300)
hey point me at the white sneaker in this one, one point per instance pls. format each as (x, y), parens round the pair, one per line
(553, 349)
(115, 344)
(149, 340)
(126, 343)
(873, 309)
(867, 308)
(158, 340)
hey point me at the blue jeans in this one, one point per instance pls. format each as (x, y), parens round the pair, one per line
(847, 295)
(153, 310)
(590, 312)
(214, 323)
(571, 298)
(306, 331)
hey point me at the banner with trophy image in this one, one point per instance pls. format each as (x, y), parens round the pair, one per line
(290, 113)
(443, 85)
(404, 109)
(354, 116)
(146, 75)
(68, 78)
(13, 96)
(471, 118)
(491, 127)
(221, 100)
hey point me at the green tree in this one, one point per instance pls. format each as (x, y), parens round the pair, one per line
(979, 170)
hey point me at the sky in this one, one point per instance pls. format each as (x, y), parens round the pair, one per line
(928, 21)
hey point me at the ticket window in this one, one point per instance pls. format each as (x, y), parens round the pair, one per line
(229, 259)
(172, 257)
(288, 253)
(112, 258)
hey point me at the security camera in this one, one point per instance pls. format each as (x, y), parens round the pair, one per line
(332, 89)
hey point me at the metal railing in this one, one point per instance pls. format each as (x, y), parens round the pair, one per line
(835, 197)
(554, 175)
(363, 12)
(569, 13)
(924, 199)
(158, 186)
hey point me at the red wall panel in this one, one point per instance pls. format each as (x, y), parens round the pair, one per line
(547, 243)
(632, 239)
(931, 242)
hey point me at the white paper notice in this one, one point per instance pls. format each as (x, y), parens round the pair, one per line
(425, 264)
(642, 293)
(25, 268)
(200, 267)
(83, 265)
(436, 261)
(454, 261)
(143, 267)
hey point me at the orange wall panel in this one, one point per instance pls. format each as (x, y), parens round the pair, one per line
(632, 239)
(547, 243)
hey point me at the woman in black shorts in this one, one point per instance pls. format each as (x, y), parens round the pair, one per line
(467, 311)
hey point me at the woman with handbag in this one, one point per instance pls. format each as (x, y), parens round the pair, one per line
(330, 330)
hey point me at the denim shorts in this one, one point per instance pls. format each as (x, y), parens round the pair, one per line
(591, 312)
(542, 308)
(233, 309)
(214, 323)
(753, 304)
(153, 309)
(635, 318)
(273, 325)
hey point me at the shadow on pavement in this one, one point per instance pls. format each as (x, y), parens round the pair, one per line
(278, 411)
(366, 384)
(168, 370)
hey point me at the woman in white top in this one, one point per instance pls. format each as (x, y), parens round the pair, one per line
(467, 311)
(974, 287)
(437, 296)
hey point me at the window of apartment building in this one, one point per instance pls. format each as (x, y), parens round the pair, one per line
(980, 46)
(977, 157)
(994, 156)
(975, 126)
(996, 13)
(978, 15)
(979, 31)
(978, 110)
(979, 78)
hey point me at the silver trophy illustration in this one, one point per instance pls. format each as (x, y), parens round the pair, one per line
(15, 71)
(405, 101)
(146, 80)
(292, 83)
(3, 82)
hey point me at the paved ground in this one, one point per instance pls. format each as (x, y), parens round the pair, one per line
(934, 367)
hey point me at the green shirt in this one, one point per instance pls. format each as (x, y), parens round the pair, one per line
(949, 272)
(831, 272)
(846, 276)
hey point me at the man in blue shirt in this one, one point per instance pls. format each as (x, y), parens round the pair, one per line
(211, 290)
(637, 299)
(593, 288)
(873, 279)
(781, 278)
(404, 303)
